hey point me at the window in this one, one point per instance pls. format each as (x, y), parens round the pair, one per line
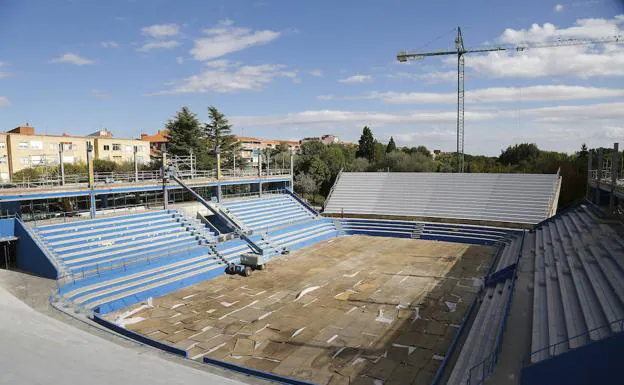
(3, 159)
(2, 145)
(117, 158)
(68, 159)
(53, 146)
(36, 144)
(22, 145)
(69, 147)
(106, 147)
(116, 147)
(36, 159)
(25, 160)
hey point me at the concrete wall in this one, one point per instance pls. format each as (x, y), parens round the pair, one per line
(599, 362)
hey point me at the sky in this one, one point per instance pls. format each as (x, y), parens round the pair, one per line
(288, 69)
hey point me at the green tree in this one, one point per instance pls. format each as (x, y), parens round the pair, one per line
(305, 185)
(184, 133)
(218, 134)
(391, 146)
(366, 145)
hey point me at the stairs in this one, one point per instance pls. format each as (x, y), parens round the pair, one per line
(418, 230)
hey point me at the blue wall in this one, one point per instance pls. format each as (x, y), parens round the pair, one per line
(29, 256)
(599, 362)
(7, 227)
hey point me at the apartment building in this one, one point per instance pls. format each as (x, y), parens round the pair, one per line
(119, 150)
(21, 148)
(252, 147)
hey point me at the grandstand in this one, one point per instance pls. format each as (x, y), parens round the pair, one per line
(578, 282)
(112, 263)
(477, 198)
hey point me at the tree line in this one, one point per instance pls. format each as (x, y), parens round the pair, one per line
(317, 165)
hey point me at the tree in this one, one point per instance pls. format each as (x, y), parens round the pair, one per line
(391, 146)
(366, 145)
(513, 155)
(305, 185)
(184, 133)
(218, 134)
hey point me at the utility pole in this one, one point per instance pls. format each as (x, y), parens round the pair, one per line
(62, 166)
(163, 151)
(590, 155)
(136, 165)
(91, 179)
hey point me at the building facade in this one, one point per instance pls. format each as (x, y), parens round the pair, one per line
(251, 147)
(22, 148)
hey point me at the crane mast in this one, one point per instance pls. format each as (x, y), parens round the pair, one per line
(460, 51)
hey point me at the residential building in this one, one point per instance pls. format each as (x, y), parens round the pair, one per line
(22, 147)
(156, 141)
(252, 147)
(325, 139)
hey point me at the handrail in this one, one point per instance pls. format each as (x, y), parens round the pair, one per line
(488, 363)
(97, 271)
(331, 190)
(527, 359)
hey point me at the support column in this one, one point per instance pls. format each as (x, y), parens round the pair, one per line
(590, 156)
(136, 165)
(192, 160)
(62, 166)
(615, 162)
(218, 164)
(598, 175)
(164, 178)
(292, 172)
(260, 174)
(91, 179)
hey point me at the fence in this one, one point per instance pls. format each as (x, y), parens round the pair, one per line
(132, 177)
(585, 335)
(107, 267)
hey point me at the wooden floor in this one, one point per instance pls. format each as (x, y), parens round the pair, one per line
(350, 310)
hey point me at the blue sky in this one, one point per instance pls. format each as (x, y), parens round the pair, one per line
(288, 69)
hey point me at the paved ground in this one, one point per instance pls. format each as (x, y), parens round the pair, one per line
(352, 310)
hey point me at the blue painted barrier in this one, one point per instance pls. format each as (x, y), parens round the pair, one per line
(256, 373)
(139, 337)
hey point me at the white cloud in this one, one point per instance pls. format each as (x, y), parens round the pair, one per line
(72, 58)
(109, 44)
(158, 44)
(159, 31)
(4, 101)
(316, 72)
(582, 61)
(230, 79)
(359, 78)
(225, 38)
(430, 77)
(489, 130)
(179, 60)
(559, 8)
(583, 29)
(495, 95)
(222, 63)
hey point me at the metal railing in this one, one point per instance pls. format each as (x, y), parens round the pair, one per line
(553, 347)
(123, 265)
(480, 372)
(131, 177)
(42, 218)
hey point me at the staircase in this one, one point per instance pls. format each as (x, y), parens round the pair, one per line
(418, 230)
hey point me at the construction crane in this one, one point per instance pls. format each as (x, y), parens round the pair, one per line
(460, 51)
